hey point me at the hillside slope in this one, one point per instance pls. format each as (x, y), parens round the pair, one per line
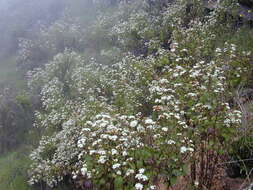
(132, 95)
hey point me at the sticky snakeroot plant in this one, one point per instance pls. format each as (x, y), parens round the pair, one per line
(108, 147)
(139, 121)
(98, 145)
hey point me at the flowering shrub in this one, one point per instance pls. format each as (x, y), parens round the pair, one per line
(138, 27)
(108, 145)
(130, 124)
(47, 42)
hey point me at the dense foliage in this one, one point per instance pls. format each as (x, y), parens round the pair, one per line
(163, 107)
(145, 93)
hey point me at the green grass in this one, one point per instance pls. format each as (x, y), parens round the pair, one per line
(14, 165)
(13, 168)
(9, 73)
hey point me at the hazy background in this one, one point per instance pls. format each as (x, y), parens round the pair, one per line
(23, 21)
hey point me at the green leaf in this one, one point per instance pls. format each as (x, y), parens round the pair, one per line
(118, 182)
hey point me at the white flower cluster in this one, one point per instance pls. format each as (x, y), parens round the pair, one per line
(135, 119)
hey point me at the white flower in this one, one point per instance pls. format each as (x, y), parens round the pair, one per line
(183, 149)
(175, 74)
(114, 151)
(192, 94)
(124, 153)
(165, 129)
(133, 123)
(81, 143)
(102, 159)
(115, 166)
(149, 121)
(171, 142)
(164, 81)
(141, 177)
(138, 186)
(141, 171)
(101, 152)
(178, 59)
(179, 67)
(218, 50)
(84, 171)
(129, 172)
(208, 106)
(140, 128)
(113, 138)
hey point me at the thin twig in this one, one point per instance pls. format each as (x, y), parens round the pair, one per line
(231, 162)
(245, 179)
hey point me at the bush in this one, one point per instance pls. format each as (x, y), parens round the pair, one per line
(62, 34)
(145, 118)
(15, 119)
(13, 167)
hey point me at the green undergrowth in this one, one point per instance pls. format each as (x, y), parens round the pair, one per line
(13, 167)
(9, 74)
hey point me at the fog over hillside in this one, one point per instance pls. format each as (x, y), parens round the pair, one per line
(20, 18)
(126, 94)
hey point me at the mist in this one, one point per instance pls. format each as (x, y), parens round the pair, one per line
(126, 94)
